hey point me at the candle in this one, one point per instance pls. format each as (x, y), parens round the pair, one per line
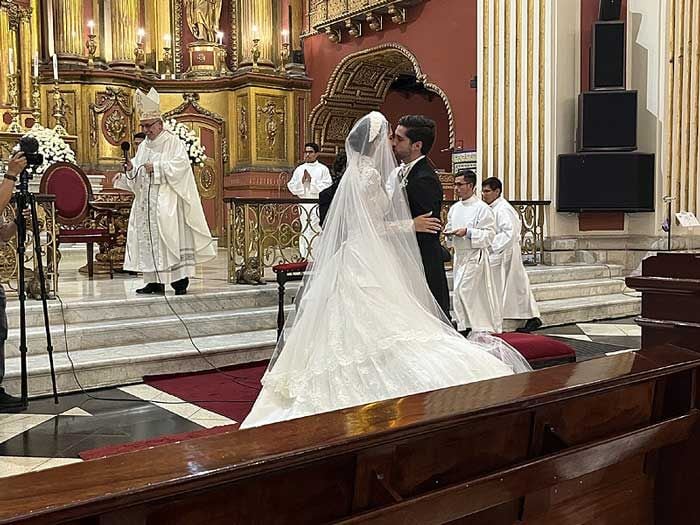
(220, 37)
(54, 59)
(11, 53)
(285, 36)
(167, 39)
(91, 27)
(256, 34)
(36, 63)
(140, 33)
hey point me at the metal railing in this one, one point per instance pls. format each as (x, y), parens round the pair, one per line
(262, 233)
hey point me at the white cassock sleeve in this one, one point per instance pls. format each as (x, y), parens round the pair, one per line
(485, 230)
(322, 181)
(449, 239)
(295, 184)
(503, 240)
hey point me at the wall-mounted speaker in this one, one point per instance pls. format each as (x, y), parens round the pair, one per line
(620, 181)
(610, 9)
(608, 56)
(607, 120)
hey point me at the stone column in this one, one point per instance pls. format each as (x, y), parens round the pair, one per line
(68, 30)
(257, 13)
(124, 17)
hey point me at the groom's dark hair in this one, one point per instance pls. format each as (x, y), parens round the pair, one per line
(313, 146)
(419, 128)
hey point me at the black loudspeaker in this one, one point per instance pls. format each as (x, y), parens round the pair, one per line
(608, 56)
(610, 9)
(605, 182)
(607, 120)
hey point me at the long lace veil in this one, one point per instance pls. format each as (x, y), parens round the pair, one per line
(370, 213)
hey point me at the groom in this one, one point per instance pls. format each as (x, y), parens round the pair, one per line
(413, 138)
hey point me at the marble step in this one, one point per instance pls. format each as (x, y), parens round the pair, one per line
(126, 364)
(568, 273)
(571, 289)
(110, 333)
(230, 298)
(586, 309)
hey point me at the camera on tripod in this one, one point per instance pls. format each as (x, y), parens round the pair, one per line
(30, 147)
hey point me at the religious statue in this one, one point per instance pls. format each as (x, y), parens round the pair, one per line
(203, 18)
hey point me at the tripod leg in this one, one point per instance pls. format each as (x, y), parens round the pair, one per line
(42, 283)
(20, 204)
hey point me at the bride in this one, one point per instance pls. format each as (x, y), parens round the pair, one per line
(366, 326)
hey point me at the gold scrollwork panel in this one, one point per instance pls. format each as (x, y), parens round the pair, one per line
(243, 129)
(110, 119)
(271, 127)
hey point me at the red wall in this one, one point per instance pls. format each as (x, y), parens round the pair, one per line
(440, 33)
(589, 15)
(395, 105)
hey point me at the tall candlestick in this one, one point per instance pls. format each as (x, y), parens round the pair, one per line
(256, 33)
(220, 38)
(91, 27)
(167, 39)
(285, 36)
(11, 55)
(54, 59)
(36, 64)
(140, 34)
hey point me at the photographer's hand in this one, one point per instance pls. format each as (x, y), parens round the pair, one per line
(16, 164)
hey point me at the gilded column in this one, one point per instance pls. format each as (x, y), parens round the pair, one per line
(258, 13)
(7, 40)
(124, 19)
(297, 23)
(68, 29)
(25, 58)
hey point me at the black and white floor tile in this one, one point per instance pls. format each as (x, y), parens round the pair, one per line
(50, 435)
(596, 339)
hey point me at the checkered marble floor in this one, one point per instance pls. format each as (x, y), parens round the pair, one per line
(50, 435)
(596, 339)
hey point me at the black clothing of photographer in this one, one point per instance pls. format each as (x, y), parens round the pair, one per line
(15, 166)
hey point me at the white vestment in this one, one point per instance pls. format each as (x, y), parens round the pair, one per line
(477, 304)
(168, 233)
(509, 275)
(308, 213)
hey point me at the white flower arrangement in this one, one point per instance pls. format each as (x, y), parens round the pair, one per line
(51, 146)
(195, 150)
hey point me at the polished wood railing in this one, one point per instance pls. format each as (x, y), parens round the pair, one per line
(670, 286)
(610, 440)
(261, 233)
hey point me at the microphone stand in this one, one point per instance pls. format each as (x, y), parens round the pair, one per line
(25, 199)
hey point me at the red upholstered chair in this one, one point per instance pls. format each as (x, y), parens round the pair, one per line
(540, 351)
(286, 272)
(73, 194)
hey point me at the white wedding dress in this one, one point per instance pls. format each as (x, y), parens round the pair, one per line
(367, 327)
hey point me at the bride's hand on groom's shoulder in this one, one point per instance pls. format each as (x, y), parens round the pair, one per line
(427, 224)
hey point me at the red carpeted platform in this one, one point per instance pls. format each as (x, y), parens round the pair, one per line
(230, 392)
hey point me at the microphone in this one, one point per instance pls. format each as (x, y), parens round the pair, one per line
(125, 150)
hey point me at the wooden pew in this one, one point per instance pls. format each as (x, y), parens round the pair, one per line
(611, 440)
(670, 286)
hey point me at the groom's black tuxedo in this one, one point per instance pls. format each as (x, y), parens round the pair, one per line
(424, 193)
